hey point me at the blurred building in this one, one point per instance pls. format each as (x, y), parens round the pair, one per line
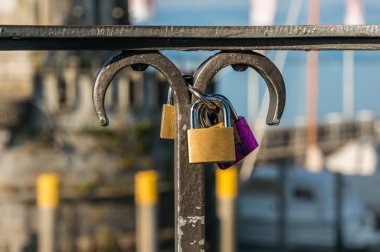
(17, 68)
(48, 124)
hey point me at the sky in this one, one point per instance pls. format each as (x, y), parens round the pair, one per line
(234, 85)
(226, 12)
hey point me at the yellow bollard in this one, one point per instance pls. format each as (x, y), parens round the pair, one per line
(226, 183)
(146, 188)
(146, 199)
(47, 191)
(226, 192)
(47, 201)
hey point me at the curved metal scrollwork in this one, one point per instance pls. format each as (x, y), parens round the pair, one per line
(138, 61)
(189, 189)
(202, 77)
(265, 67)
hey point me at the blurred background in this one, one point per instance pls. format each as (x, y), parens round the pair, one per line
(311, 186)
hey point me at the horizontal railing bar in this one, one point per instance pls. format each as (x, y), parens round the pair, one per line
(321, 37)
(127, 31)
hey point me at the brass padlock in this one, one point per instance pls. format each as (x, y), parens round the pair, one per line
(213, 144)
(168, 118)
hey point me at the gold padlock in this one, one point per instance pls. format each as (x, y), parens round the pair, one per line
(213, 144)
(168, 118)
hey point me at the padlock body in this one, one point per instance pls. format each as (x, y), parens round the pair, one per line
(168, 122)
(245, 146)
(209, 145)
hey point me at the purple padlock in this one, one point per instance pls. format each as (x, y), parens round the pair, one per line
(245, 141)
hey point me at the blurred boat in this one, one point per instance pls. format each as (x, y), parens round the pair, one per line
(309, 212)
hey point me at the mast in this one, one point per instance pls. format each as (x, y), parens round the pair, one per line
(314, 156)
(354, 16)
(260, 13)
(312, 81)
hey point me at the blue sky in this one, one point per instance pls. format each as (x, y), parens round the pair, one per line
(227, 12)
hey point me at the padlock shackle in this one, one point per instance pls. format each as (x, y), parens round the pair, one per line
(218, 97)
(198, 104)
(202, 117)
(170, 96)
(272, 76)
(201, 97)
(193, 113)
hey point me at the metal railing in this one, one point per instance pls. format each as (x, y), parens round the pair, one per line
(140, 45)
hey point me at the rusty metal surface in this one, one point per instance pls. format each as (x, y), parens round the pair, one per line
(321, 37)
(265, 67)
(189, 181)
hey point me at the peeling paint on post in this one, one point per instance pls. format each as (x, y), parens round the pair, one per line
(194, 222)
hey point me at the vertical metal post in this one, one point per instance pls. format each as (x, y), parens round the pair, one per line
(189, 185)
(47, 199)
(146, 199)
(226, 191)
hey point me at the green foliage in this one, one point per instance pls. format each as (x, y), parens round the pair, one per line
(100, 132)
(143, 133)
(143, 129)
